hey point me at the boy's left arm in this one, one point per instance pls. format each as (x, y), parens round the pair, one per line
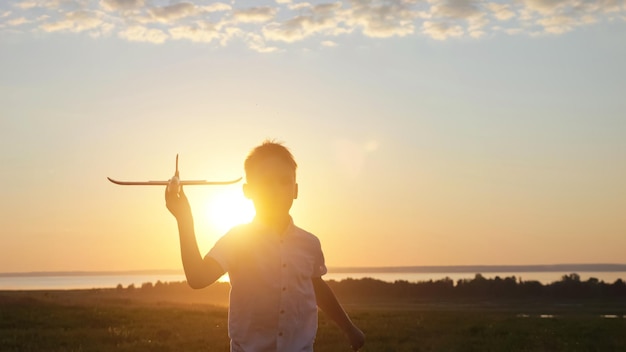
(327, 302)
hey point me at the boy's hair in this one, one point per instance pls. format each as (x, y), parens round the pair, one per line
(269, 148)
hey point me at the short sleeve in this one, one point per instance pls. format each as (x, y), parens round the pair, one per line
(319, 268)
(222, 251)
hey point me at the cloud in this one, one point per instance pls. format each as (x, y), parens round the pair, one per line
(138, 33)
(562, 16)
(502, 12)
(50, 4)
(441, 30)
(121, 5)
(573, 8)
(254, 15)
(459, 9)
(24, 5)
(76, 21)
(453, 18)
(217, 7)
(17, 21)
(326, 18)
(272, 27)
(133, 11)
(545, 7)
(299, 6)
(174, 12)
(202, 32)
(382, 19)
(558, 24)
(257, 43)
(298, 28)
(289, 31)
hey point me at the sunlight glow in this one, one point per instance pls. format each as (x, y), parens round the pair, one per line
(228, 208)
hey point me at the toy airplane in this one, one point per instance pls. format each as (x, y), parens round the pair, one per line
(174, 183)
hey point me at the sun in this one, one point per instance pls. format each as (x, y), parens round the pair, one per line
(227, 208)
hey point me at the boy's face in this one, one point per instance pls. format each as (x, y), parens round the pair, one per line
(272, 187)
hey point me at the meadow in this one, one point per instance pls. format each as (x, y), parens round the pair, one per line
(172, 317)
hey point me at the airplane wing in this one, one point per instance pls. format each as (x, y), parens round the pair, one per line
(165, 183)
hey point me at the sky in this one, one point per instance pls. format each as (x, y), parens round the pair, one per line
(427, 132)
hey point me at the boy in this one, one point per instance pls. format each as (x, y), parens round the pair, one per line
(275, 268)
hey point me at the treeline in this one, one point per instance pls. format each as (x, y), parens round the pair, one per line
(569, 287)
(368, 289)
(179, 291)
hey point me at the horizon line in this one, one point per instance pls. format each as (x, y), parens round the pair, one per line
(605, 267)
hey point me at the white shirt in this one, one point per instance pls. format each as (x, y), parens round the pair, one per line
(272, 300)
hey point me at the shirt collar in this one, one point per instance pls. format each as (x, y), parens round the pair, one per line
(260, 226)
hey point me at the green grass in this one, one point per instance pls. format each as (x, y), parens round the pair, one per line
(60, 321)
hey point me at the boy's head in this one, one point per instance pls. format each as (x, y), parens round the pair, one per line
(271, 179)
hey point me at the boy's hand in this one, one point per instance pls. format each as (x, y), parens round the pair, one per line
(177, 204)
(356, 337)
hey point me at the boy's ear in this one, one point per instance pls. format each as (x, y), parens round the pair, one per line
(295, 192)
(246, 191)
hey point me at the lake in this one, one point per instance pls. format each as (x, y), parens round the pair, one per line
(46, 281)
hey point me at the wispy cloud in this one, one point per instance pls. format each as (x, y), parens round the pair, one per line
(121, 5)
(138, 33)
(501, 12)
(201, 32)
(48, 4)
(257, 42)
(17, 21)
(272, 27)
(76, 21)
(382, 19)
(441, 30)
(254, 15)
(174, 12)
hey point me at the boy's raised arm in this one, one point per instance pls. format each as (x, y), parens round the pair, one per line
(200, 272)
(328, 303)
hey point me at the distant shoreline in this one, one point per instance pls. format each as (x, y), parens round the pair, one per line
(484, 268)
(570, 268)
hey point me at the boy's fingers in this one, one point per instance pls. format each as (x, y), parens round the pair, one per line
(169, 196)
(175, 200)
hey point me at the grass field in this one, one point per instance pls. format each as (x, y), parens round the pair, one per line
(103, 320)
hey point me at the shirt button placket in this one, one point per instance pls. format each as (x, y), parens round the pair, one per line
(283, 280)
(283, 264)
